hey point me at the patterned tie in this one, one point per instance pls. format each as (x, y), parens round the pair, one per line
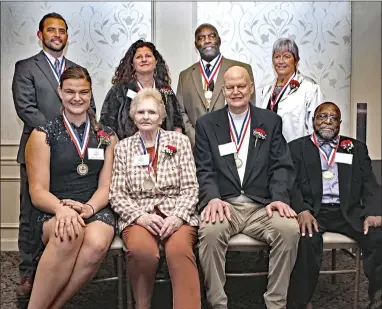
(332, 142)
(208, 72)
(57, 67)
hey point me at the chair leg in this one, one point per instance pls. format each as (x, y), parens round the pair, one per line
(129, 294)
(357, 277)
(119, 258)
(334, 265)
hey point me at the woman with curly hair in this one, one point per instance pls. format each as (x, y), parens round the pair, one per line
(141, 67)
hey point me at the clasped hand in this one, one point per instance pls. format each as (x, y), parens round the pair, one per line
(156, 225)
(69, 222)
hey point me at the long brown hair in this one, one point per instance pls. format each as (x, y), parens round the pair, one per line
(125, 72)
(78, 72)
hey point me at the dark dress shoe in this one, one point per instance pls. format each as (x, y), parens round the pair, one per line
(24, 289)
(376, 301)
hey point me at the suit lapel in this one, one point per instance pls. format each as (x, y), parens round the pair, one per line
(223, 137)
(311, 157)
(256, 122)
(197, 79)
(43, 64)
(344, 178)
(219, 83)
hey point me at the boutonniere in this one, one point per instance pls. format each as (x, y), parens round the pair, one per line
(294, 84)
(166, 92)
(169, 150)
(259, 133)
(103, 137)
(347, 144)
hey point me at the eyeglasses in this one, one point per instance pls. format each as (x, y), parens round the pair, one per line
(324, 117)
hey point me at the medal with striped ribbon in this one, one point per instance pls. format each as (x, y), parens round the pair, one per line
(239, 138)
(81, 145)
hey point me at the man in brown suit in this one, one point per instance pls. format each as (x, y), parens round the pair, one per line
(200, 86)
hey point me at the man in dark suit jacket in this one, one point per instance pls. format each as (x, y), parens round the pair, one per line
(245, 181)
(335, 191)
(36, 100)
(192, 91)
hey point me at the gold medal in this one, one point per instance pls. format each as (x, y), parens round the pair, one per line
(148, 184)
(82, 169)
(328, 175)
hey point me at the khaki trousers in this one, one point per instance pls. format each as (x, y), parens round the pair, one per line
(280, 233)
(143, 257)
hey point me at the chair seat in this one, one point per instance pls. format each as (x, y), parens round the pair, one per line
(241, 242)
(117, 243)
(338, 241)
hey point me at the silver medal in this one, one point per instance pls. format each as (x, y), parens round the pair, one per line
(148, 184)
(328, 175)
(82, 169)
(238, 161)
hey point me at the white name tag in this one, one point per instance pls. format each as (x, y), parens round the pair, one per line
(95, 154)
(343, 158)
(227, 149)
(131, 94)
(141, 160)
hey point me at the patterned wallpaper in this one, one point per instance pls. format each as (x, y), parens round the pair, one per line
(99, 35)
(322, 31)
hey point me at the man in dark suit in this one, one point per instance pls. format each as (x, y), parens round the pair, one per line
(245, 175)
(36, 100)
(335, 191)
(200, 86)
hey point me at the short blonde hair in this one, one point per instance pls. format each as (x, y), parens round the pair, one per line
(148, 93)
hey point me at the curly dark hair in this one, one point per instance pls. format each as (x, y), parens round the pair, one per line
(125, 72)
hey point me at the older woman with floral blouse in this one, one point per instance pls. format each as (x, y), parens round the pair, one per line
(155, 191)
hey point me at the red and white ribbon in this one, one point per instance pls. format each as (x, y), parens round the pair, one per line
(81, 145)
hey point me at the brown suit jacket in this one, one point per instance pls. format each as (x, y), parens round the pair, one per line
(191, 96)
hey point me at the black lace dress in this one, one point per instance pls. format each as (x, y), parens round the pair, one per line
(65, 182)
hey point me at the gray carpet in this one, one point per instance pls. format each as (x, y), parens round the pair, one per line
(243, 293)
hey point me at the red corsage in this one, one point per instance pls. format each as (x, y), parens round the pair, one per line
(103, 137)
(294, 84)
(170, 150)
(347, 144)
(259, 133)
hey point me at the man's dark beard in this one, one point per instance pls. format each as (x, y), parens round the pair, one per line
(209, 57)
(325, 137)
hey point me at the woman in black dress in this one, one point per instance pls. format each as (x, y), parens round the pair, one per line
(69, 164)
(141, 67)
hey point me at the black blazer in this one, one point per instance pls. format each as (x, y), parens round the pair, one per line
(35, 95)
(116, 108)
(360, 194)
(269, 174)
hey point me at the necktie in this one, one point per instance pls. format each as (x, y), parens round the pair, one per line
(57, 67)
(332, 142)
(208, 72)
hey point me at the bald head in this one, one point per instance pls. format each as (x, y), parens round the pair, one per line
(237, 72)
(325, 105)
(237, 89)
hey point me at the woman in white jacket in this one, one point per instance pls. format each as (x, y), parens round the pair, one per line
(292, 95)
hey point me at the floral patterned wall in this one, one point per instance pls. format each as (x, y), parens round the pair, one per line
(99, 35)
(322, 31)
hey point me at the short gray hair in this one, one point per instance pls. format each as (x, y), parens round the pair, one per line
(148, 93)
(288, 45)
